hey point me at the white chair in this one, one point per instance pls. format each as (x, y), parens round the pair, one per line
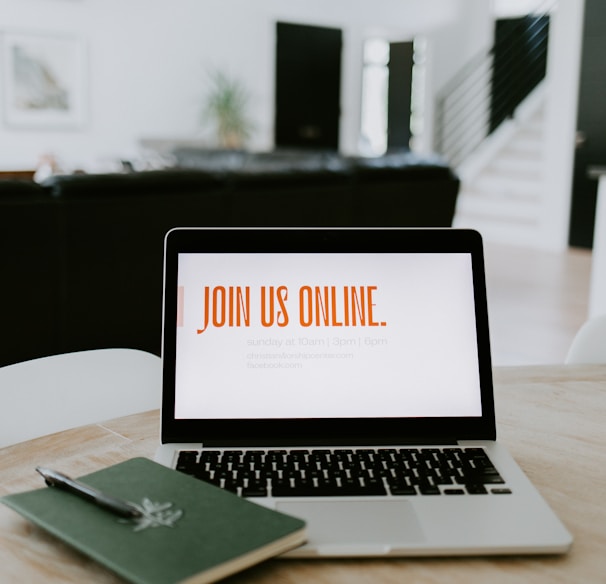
(50, 394)
(589, 344)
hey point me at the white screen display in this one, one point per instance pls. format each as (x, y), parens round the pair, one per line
(326, 336)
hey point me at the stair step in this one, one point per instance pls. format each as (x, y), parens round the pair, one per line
(525, 153)
(500, 231)
(483, 195)
(506, 185)
(500, 210)
(532, 140)
(514, 164)
(503, 198)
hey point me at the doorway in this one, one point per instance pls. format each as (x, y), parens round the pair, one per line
(401, 57)
(308, 87)
(386, 96)
(591, 126)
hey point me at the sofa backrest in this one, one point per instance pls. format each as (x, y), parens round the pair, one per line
(84, 253)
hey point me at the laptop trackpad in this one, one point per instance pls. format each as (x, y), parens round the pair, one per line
(356, 527)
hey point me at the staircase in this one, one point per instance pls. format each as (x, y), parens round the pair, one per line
(489, 124)
(502, 184)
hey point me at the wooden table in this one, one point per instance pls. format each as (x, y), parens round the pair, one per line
(552, 419)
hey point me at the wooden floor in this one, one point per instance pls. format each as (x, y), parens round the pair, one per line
(537, 300)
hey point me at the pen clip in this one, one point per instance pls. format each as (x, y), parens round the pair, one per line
(117, 506)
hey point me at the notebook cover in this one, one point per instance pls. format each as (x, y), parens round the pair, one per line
(216, 534)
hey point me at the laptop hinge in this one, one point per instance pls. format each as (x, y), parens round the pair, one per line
(293, 443)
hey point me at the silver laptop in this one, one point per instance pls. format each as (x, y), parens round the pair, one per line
(344, 376)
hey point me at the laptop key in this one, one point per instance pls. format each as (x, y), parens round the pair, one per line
(255, 490)
(428, 489)
(187, 461)
(476, 489)
(454, 491)
(406, 490)
(287, 488)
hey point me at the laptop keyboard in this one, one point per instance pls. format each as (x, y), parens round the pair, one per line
(346, 472)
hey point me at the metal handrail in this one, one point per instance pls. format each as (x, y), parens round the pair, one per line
(475, 101)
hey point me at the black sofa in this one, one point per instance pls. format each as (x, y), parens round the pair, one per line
(82, 254)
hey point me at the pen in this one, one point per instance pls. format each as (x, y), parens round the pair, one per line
(108, 502)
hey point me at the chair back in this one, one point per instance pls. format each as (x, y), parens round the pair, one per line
(589, 344)
(50, 394)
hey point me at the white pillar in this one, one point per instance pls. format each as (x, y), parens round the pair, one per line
(597, 287)
(563, 73)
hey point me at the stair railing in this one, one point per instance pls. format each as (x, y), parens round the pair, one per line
(489, 88)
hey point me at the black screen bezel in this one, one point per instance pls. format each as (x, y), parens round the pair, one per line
(334, 430)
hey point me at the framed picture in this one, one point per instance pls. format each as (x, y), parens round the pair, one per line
(44, 81)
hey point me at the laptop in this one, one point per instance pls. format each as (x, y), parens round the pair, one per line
(344, 376)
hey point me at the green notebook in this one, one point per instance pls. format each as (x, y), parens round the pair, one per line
(191, 531)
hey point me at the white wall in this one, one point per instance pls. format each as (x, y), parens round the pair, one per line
(563, 74)
(148, 61)
(449, 47)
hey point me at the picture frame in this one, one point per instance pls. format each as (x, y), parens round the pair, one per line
(44, 81)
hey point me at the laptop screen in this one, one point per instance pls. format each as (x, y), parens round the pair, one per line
(363, 331)
(331, 336)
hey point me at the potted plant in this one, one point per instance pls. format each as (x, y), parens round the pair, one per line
(226, 107)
